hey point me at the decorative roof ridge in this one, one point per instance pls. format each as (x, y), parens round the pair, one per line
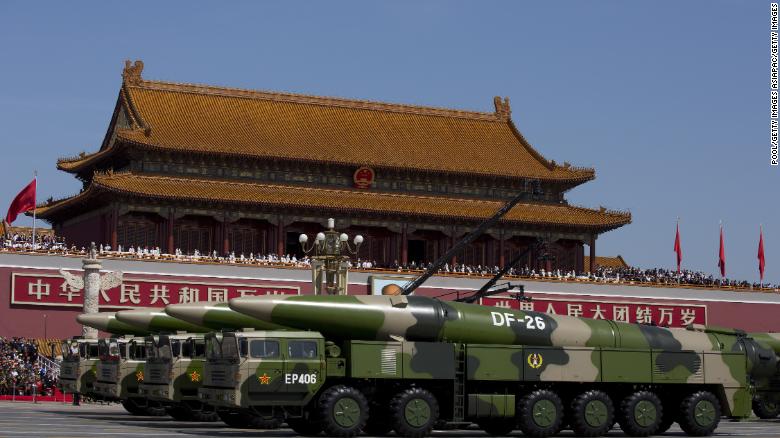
(111, 174)
(131, 75)
(243, 93)
(550, 164)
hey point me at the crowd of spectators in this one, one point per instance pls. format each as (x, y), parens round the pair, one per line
(21, 370)
(623, 275)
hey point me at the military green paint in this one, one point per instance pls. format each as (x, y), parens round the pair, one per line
(417, 412)
(544, 413)
(219, 316)
(596, 412)
(704, 413)
(645, 413)
(336, 316)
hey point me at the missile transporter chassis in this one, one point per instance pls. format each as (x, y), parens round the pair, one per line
(79, 366)
(173, 372)
(120, 373)
(378, 386)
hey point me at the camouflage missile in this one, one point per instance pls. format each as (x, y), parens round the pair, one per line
(217, 316)
(157, 321)
(418, 318)
(107, 322)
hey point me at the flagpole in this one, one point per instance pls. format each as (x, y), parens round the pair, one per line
(35, 204)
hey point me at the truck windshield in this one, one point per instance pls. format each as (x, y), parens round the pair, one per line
(193, 348)
(136, 350)
(70, 350)
(225, 348)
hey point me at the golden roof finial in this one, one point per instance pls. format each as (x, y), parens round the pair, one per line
(132, 72)
(502, 107)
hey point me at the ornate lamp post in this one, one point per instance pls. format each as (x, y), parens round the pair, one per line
(328, 259)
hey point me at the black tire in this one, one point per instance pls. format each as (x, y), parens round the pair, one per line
(205, 413)
(592, 414)
(179, 413)
(700, 414)
(640, 414)
(246, 420)
(155, 409)
(233, 418)
(414, 412)
(765, 410)
(131, 407)
(305, 427)
(498, 426)
(540, 413)
(343, 411)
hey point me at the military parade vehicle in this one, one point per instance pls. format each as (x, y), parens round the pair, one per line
(172, 374)
(375, 363)
(79, 362)
(120, 373)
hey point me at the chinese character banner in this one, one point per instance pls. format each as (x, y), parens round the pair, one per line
(52, 290)
(663, 314)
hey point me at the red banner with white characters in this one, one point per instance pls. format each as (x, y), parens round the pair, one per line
(662, 314)
(52, 290)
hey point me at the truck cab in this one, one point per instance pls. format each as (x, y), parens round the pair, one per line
(173, 373)
(263, 374)
(79, 363)
(120, 373)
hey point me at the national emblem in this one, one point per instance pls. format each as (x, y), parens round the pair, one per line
(194, 376)
(264, 379)
(535, 360)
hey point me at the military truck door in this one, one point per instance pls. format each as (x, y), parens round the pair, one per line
(303, 369)
(265, 357)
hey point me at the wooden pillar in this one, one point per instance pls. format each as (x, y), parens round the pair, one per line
(501, 258)
(454, 260)
(225, 237)
(171, 248)
(114, 226)
(280, 237)
(404, 245)
(592, 261)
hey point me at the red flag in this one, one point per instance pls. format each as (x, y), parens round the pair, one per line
(24, 201)
(761, 254)
(678, 247)
(722, 259)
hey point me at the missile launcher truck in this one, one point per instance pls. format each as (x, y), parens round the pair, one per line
(376, 363)
(172, 374)
(120, 372)
(78, 368)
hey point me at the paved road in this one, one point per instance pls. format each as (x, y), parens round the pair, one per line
(61, 420)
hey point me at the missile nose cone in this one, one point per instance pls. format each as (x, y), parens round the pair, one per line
(190, 312)
(259, 306)
(96, 320)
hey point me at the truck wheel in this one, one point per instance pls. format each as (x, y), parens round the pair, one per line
(498, 426)
(233, 418)
(179, 413)
(304, 427)
(764, 409)
(699, 414)
(414, 411)
(206, 413)
(343, 411)
(131, 407)
(592, 414)
(640, 414)
(540, 413)
(155, 409)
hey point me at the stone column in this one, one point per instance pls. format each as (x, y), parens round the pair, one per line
(91, 266)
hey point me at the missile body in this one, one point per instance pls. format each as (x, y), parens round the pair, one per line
(107, 322)
(418, 318)
(157, 321)
(217, 316)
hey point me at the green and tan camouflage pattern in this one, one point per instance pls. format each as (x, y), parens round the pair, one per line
(107, 322)
(120, 378)
(157, 321)
(176, 380)
(276, 381)
(549, 348)
(217, 316)
(78, 374)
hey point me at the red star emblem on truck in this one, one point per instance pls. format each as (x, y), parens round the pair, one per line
(139, 375)
(194, 376)
(264, 379)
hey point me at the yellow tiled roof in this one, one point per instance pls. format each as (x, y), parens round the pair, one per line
(607, 262)
(258, 195)
(194, 118)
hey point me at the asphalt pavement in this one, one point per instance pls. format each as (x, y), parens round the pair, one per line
(93, 420)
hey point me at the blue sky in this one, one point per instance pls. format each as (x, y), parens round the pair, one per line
(669, 101)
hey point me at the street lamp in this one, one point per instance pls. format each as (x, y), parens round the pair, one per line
(328, 257)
